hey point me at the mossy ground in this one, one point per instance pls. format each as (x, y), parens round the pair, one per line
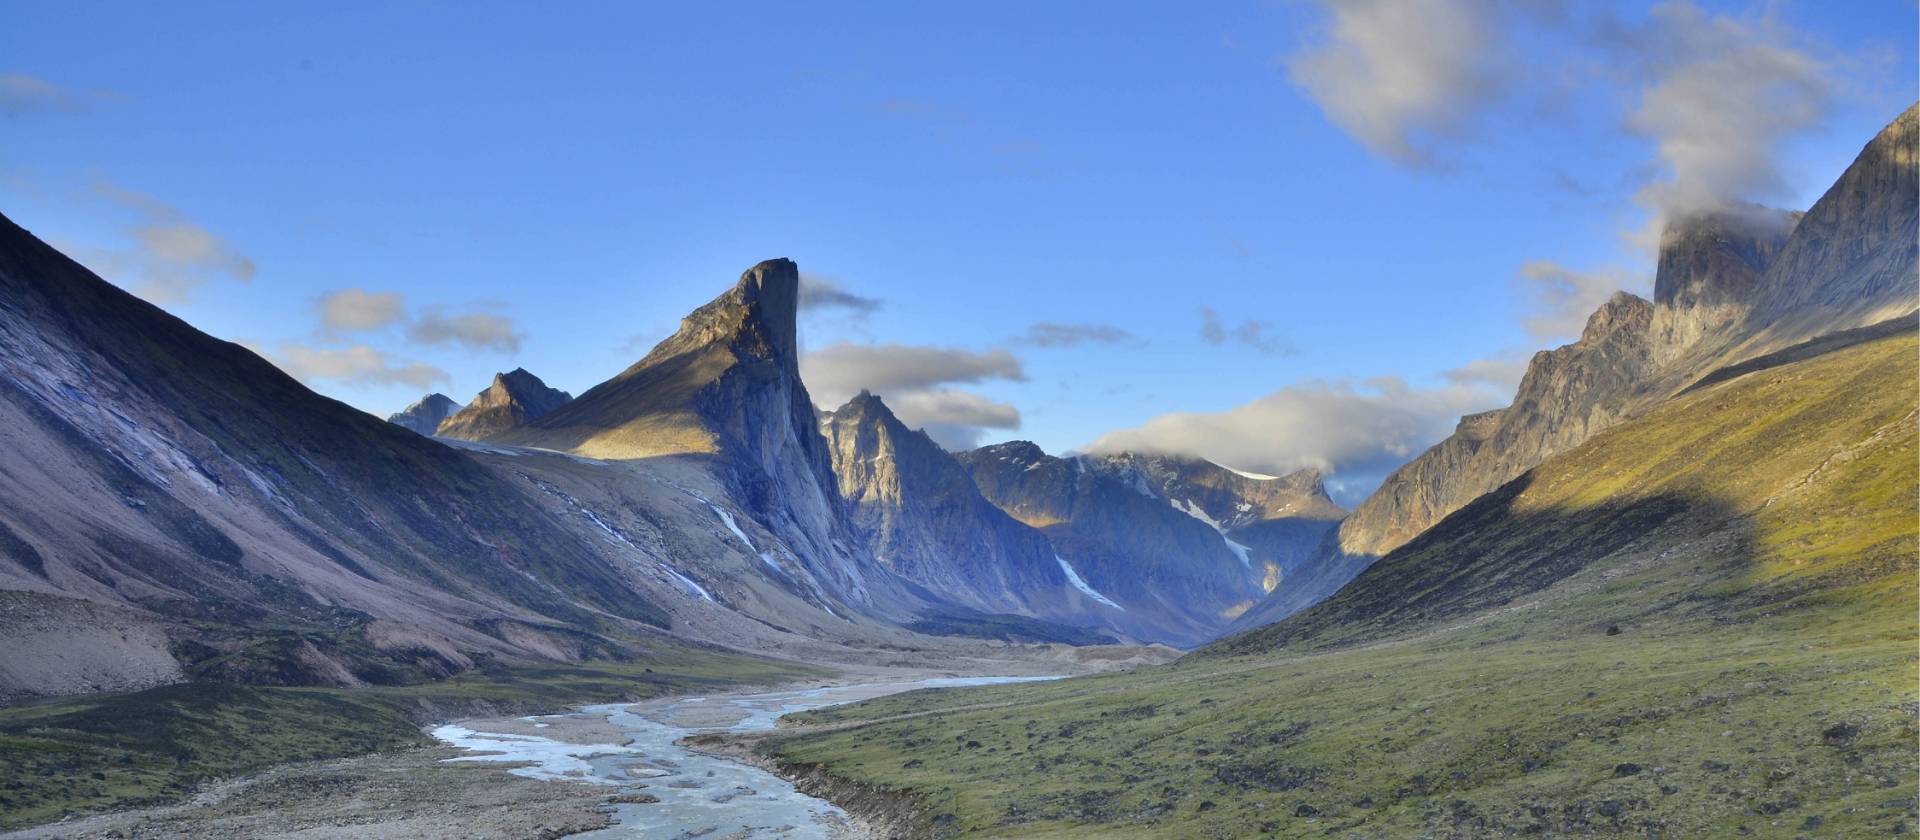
(1742, 660)
(79, 754)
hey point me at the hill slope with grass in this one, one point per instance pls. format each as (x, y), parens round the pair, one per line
(1698, 623)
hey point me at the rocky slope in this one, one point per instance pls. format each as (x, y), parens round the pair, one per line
(925, 520)
(515, 399)
(1730, 286)
(424, 417)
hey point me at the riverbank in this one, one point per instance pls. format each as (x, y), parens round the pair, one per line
(445, 791)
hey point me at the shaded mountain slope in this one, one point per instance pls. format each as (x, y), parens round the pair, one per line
(1698, 623)
(150, 466)
(515, 399)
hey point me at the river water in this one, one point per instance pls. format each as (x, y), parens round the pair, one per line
(700, 795)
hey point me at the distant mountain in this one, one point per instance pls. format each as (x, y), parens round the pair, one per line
(425, 416)
(1154, 537)
(1277, 520)
(515, 399)
(1731, 286)
(925, 520)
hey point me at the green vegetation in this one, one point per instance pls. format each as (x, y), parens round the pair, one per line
(1701, 623)
(77, 754)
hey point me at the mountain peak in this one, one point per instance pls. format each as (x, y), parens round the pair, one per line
(426, 414)
(515, 399)
(771, 291)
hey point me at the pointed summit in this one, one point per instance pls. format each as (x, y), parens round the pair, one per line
(426, 415)
(692, 392)
(515, 399)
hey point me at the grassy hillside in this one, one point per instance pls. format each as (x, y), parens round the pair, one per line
(1700, 623)
(76, 754)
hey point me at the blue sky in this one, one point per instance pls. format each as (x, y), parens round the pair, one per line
(1243, 215)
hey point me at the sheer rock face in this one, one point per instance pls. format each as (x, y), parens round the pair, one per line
(1731, 287)
(926, 521)
(425, 416)
(726, 389)
(515, 399)
(1709, 268)
(1137, 533)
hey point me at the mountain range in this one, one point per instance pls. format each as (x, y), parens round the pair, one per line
(176, 510)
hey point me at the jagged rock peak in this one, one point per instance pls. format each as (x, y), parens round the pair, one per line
(425, 415)
(514, 399)
(758, 317)
(518, 385)
(1016, 451)
(1623, 311)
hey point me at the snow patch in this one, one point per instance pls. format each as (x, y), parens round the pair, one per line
(551, 760)
(1079, 583)
(687, 582)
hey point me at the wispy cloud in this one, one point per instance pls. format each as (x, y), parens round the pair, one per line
(22, 94)
(1358, 431)
(1050, 334)
(168, 256)
(471, 330)
(1258, 335)
(916, 382)
(824, 294)
(358, 310)
(357, 364)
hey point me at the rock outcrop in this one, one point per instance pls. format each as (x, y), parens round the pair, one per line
(515, 399)
(424, 417)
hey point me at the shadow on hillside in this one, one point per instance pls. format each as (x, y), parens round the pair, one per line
(1493, 553)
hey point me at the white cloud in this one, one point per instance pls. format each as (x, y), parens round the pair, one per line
(473, 330)
(1559, 300)
(358, 310)
(358, 364)
(1391, 72)
(1356, 431)
(1719, 96)
(170, 256)
(914, 380)
(820, 294)
(954, 419)
(838, 371)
